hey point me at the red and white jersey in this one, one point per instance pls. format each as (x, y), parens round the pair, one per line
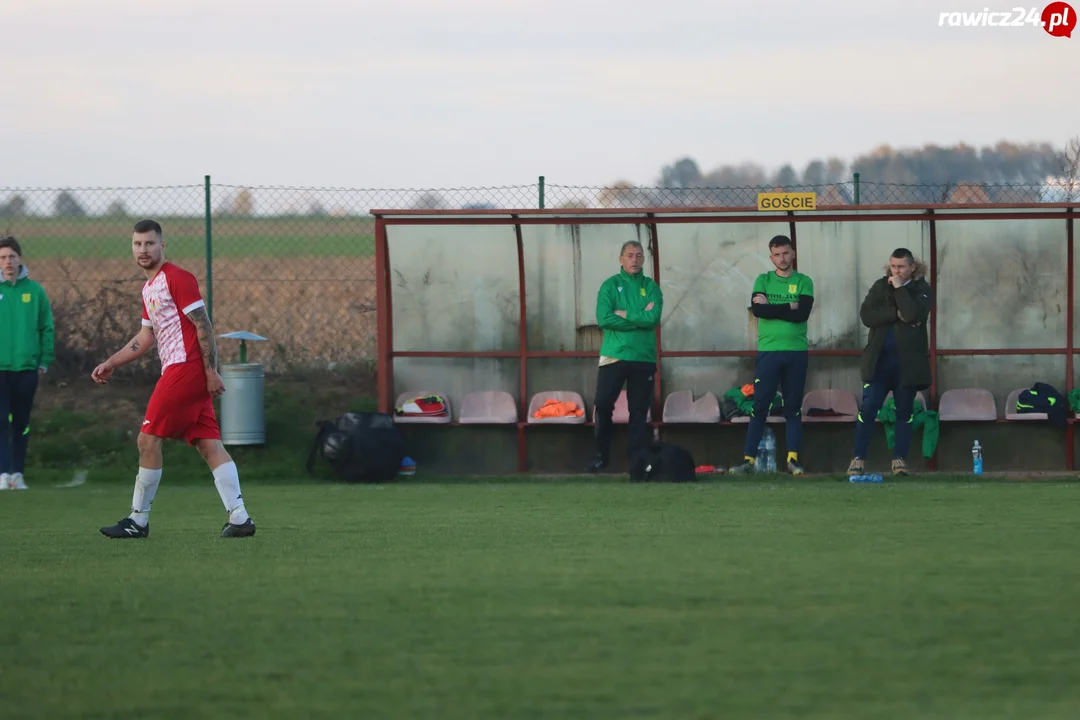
(167, 299)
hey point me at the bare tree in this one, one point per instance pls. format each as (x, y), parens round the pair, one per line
(67, 205)
(430, 200)
(1070, 169)
(14, 207)
(619, 194)
(116, 209)
(243, 203)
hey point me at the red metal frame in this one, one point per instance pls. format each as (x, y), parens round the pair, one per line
(654, 243)
(523, 349)
(653, 218)
(932, 465)
(1070, 430)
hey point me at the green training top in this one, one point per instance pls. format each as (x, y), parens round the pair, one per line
(27, 337)
(779, 335)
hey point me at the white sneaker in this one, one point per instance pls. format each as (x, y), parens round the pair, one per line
(17, 482)
(5, 481)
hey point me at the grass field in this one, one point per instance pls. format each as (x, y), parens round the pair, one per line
(521, 597)
(233, 237)
(540, 599)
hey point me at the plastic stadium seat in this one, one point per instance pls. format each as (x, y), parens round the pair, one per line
(967, 404)
(488, 407)
(405, 397)
(540, 398)
(621, 414)
(680, 407)
(771, 419)
(1010, 408)
(840, 401)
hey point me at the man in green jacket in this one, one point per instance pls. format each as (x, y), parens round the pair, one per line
(26, 351)
(628, 310)
(897, 354)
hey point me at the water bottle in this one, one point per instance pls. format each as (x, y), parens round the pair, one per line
(976, 458)
(875, 478)
(766, 453)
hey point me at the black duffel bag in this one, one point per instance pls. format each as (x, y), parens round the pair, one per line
(361, 447)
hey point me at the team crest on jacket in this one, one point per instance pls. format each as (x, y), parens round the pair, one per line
(26, 297)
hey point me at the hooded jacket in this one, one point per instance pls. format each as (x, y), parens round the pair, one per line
(879, 313)
(632, 338)
(27, 336)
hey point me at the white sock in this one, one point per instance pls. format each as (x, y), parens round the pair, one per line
(227, 481)
(146, 485)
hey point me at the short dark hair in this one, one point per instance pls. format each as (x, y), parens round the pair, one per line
(145, 226)
(10, 242)
(904, 254)
(779, 241)
(630, 243)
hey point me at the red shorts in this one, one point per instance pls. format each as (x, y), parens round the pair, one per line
(181, 406)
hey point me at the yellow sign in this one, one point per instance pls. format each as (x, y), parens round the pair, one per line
(787, 201)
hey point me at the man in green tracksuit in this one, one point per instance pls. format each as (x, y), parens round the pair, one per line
(26, 351)
(628, 310)
(781, 300)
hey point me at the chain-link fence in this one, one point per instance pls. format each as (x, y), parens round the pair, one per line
(296, 265)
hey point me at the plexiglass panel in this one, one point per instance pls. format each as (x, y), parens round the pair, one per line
(844, 259)
(454, 287)
(707, 273)
(1001, 284)
(1000, 374)
(701, 375)
(564, 268)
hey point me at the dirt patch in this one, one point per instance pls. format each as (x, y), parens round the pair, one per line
(314, 311)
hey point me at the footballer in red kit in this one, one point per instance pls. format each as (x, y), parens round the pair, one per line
(181, 407)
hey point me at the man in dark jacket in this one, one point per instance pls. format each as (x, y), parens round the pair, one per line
(897, 354)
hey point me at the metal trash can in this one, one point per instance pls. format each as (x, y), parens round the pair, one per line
(243, 416)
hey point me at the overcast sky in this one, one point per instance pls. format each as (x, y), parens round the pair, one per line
(445, 93)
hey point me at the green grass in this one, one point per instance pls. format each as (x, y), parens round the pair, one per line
(521, 597)
(233, 237)
(749, 599)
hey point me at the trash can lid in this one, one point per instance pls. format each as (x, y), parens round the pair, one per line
(242, 335)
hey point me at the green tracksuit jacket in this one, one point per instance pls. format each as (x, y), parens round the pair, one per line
(27, 336)
(632, 338)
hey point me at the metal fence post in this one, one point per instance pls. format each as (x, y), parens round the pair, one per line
(209, 256)
(856, 188)
(541, 192)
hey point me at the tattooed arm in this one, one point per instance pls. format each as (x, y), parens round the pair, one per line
(135, 349)
(207, 341)
(208, 346)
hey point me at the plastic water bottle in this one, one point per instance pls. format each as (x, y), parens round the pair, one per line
(766, 453)
(976, 458)
(875, 478)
